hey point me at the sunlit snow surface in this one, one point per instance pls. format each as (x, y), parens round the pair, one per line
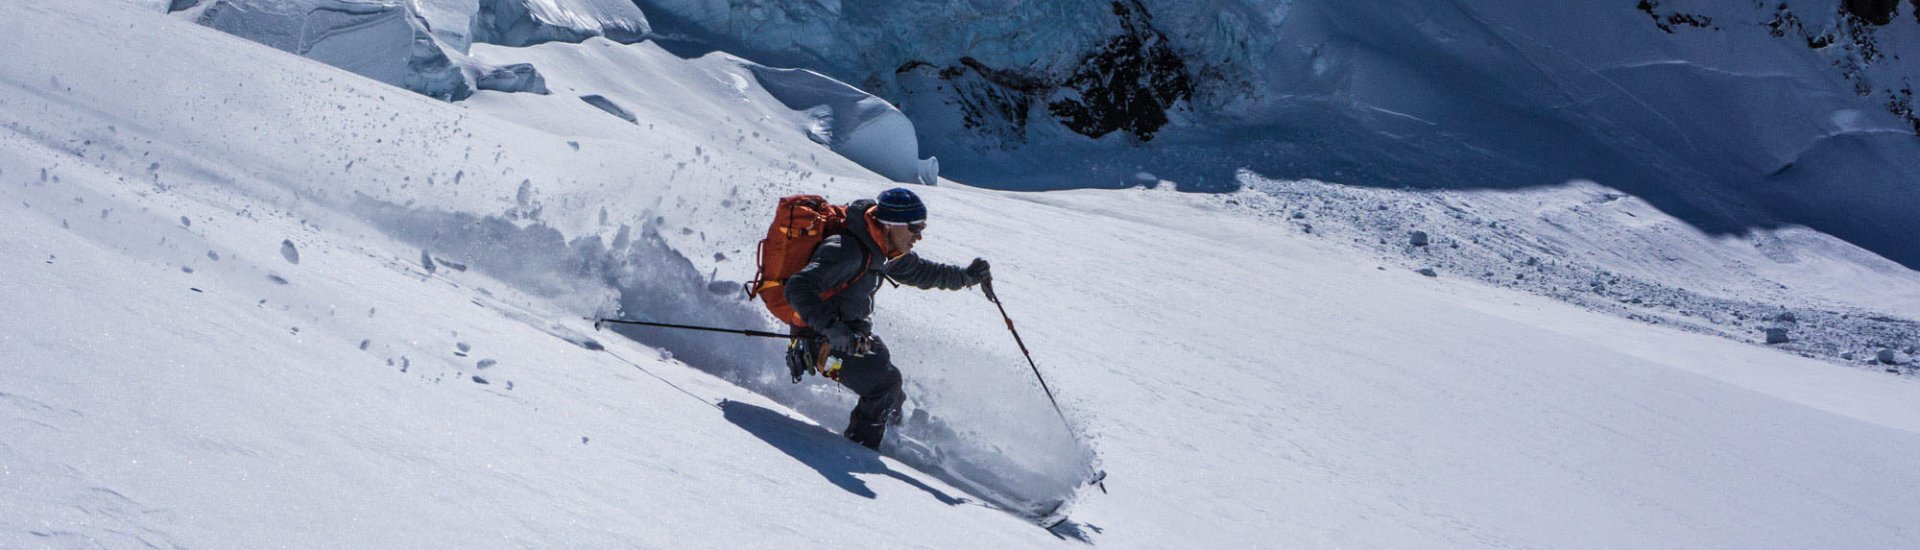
(422, 374)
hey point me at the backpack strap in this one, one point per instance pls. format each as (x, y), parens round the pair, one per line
(866, 260)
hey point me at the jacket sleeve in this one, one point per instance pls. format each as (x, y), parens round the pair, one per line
(834, 262)
(913, 270)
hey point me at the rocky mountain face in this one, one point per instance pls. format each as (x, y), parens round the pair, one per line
(1731, 114)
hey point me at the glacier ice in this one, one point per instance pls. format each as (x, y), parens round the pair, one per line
(851, 122)
(420, 45)
(524, 22)
(377, 39)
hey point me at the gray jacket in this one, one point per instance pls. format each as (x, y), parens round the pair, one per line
(839, 258)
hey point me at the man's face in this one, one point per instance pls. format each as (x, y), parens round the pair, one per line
(901, 237)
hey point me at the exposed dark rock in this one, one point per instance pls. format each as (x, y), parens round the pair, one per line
(991, 103)
(1128, 84)
(1860, 48)
(1669, 20)
(1878, 12)
(1777, 336)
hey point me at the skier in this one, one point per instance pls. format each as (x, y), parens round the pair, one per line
(877, 244)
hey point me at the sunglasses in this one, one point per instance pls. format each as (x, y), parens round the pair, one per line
(915, 227)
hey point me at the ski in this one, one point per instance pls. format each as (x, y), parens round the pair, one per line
(1058, 513)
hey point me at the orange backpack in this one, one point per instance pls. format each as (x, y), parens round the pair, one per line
(800, 223)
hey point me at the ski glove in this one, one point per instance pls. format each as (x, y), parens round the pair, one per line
(977, 272)
(846, 340)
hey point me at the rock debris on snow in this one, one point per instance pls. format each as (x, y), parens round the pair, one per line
(1777, 336)
(1534, 256)
(288, 251)
(602, 103)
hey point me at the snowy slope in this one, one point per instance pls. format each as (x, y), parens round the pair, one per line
(1246, 385)
(1605, 250)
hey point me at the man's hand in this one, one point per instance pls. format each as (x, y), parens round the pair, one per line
(978, 272)
(839, 335)
(846, 340)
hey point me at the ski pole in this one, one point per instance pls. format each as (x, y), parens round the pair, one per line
(743, 332)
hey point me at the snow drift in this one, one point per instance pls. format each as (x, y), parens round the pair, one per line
(855, 124)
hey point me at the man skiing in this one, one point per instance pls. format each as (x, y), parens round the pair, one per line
(877, 244)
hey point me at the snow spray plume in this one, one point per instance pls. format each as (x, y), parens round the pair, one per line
(987, 287)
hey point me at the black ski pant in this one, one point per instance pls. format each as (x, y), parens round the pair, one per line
(877, 382)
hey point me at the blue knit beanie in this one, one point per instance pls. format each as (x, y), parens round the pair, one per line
(899, 205)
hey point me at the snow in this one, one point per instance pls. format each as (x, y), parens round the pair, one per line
(1607, 250)
(1247, 384)
(855, 124)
